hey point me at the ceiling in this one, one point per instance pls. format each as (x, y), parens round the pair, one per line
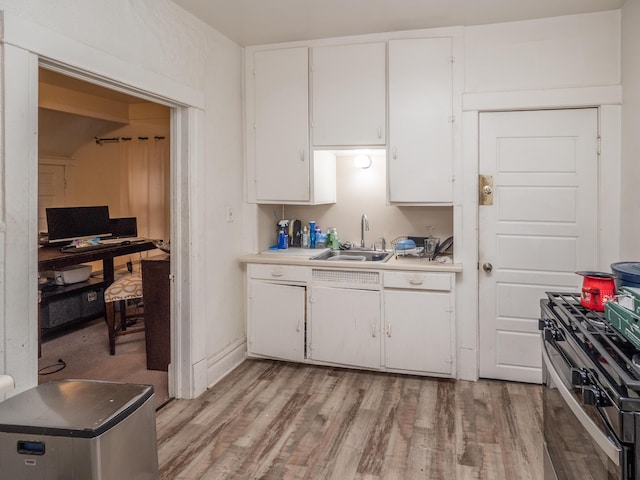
(256, 22)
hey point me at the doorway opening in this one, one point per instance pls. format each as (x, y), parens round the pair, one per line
(98, 146)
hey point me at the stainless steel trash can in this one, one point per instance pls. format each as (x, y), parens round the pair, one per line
(79, 430)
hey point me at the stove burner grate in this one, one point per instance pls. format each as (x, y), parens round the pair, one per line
(598, 337)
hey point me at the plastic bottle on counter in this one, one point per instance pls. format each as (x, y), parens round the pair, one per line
(312, 234)
(320, 238)
(335, 242)
(283, 236)
(305, 237)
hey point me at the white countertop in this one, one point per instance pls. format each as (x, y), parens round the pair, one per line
(301, 256)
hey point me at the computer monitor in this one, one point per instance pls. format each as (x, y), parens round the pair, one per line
(124, 227)
(66, 224)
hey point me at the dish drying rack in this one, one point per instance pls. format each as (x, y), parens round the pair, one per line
(406, 252)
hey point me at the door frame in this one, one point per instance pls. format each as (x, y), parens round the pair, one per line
(608, 100)
(27, 47)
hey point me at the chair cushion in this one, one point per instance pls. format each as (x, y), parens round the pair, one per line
(129, 286)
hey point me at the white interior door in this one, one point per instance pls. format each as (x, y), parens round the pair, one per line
(51, 189)
(541, 228)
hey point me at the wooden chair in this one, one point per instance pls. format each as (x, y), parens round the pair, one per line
(125, 288)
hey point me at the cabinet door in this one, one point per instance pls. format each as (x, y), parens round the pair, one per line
(418, 331)
(345, 326)
(281, 99)
(420, 121)
(349, 95)
(276, 320)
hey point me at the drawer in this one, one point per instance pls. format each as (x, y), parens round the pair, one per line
(418, 280)
(278, 272)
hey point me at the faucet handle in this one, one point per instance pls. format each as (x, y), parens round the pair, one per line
(383, 243)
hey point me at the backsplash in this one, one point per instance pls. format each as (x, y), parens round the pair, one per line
(358, 191)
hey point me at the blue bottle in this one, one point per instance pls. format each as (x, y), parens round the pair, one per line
(283, 238)
(312, 234)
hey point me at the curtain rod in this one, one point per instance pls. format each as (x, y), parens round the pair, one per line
(102, 141)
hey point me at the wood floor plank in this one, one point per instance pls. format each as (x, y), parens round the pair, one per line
(277, 420)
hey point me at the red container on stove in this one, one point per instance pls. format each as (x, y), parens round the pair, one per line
(598, 288)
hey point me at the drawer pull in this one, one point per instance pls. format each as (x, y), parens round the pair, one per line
(416, 281)
(276, 274)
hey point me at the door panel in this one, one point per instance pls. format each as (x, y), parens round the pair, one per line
(277, 320)
(541, 228)
(356, 315)
(282, 124)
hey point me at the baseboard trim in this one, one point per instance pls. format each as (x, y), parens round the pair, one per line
(221, 364)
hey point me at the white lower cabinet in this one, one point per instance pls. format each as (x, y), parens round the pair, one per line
(276, 320)
(419, 322)
(345, 326)
(417, 331)
(393, 320)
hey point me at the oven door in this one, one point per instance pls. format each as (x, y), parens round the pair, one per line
(578, 442)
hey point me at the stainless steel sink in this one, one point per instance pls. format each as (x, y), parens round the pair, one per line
(354, 255)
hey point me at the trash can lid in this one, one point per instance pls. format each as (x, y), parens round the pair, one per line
(72, 408)
(628, 271)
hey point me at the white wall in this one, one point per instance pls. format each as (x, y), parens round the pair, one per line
(630, 238)
(569, 51)
(360, 191)
(157, 38)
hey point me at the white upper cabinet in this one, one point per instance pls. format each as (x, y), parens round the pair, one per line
(349, 95)
(281, 125)
(420, 156)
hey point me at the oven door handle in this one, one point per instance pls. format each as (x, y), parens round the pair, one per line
(613, 450)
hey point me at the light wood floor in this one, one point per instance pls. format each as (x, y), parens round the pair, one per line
(276, 420)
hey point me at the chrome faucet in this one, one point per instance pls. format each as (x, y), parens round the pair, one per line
(364, 225)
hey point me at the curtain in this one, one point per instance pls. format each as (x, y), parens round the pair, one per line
(144, 185)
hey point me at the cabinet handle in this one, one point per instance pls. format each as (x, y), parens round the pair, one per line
(394, 154)
(276, 274)
(389, 329)
(298, 325)
(416, 281)
(302, 155)
(373, 329)
(379, 132)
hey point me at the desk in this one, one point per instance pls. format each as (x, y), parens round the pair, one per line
(51, 258)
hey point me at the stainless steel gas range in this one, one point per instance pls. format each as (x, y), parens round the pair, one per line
(591, 397)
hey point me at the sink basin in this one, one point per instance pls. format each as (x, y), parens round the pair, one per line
(354, 255)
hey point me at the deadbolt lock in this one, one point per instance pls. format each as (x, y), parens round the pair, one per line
(485, 187)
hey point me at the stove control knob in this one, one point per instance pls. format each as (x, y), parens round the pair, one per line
(579, 377)
(590, 396)
(594, 396)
